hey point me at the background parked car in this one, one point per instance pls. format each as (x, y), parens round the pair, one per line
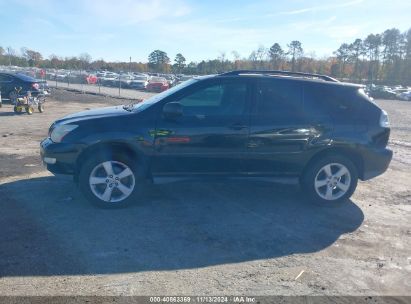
(139, 82)
(109, 80)
(91, 79)
(382, 92)
(157, 84)
(405, 96)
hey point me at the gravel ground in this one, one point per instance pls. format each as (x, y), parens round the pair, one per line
(197, 238)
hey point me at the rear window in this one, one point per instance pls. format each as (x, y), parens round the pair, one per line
(25, 78)
(338, 101)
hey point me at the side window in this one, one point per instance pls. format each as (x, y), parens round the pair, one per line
(325, 99)
(216, 99)
(315, 97)
(278, 97)
(5, 78)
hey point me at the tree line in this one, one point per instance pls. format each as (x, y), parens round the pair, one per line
(378, 58)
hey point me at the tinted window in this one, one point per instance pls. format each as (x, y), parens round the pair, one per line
(217, 99)
(338, 101)
(25, 78)
(5, 78)
(278, 97)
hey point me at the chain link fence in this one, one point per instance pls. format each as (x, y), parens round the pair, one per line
(130, 86)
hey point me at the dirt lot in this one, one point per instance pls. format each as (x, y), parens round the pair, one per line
(197, 238)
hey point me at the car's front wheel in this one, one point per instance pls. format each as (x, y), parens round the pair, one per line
(109, 182)
(330, 180)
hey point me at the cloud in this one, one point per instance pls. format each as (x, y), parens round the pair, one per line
(321, 8)
(126, 12)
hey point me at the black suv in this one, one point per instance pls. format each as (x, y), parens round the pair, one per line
(255, 124)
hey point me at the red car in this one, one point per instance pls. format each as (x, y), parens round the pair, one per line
(157, 84)
(91, 79)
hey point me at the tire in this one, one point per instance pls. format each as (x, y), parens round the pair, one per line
(29, 110)
(330, 189)
(41, 108)
(107, 190)
(17, 110)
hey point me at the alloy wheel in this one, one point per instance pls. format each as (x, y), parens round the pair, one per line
(112, 181)
(332, 181)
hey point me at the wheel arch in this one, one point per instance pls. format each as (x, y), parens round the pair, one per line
(111, 148)
(349, 153)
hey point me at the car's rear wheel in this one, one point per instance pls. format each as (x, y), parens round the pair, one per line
(110, 182)
(330, 180)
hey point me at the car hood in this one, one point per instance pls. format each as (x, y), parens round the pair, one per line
(94, 113)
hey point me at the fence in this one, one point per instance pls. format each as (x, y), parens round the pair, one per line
(83, 81)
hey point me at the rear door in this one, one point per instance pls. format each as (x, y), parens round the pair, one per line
(281, 130)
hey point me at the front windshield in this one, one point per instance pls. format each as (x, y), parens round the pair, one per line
(152, 100)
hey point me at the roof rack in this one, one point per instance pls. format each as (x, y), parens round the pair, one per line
(274, 72)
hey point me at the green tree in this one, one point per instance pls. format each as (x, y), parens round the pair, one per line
(356, 49)
(276, 54)
(391, 41)
(343, 53)
(295, 49)
(158, 60)
(180, 62)
(372, 45)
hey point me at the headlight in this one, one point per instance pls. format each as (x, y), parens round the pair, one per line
(58, 133)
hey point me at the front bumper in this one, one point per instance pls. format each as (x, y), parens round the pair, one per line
(376, 162)
(59, 158)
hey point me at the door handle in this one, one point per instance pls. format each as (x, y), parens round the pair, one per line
(237, 126)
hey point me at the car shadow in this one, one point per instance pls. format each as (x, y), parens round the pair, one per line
(9, 113)
(47, 228)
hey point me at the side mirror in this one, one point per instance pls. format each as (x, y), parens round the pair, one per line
(173, 110)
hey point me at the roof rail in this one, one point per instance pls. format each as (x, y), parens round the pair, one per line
(274, 72)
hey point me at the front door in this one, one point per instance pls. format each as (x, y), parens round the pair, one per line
(211, 135)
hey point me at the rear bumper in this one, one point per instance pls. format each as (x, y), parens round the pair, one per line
(375, 162)
(59, 158)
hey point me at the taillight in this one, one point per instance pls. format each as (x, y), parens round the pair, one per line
(384, 122)
(35, 86)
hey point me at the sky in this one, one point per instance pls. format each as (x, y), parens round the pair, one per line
(116, 30)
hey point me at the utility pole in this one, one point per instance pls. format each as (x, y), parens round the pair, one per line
(9, 53)
(129, 66)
